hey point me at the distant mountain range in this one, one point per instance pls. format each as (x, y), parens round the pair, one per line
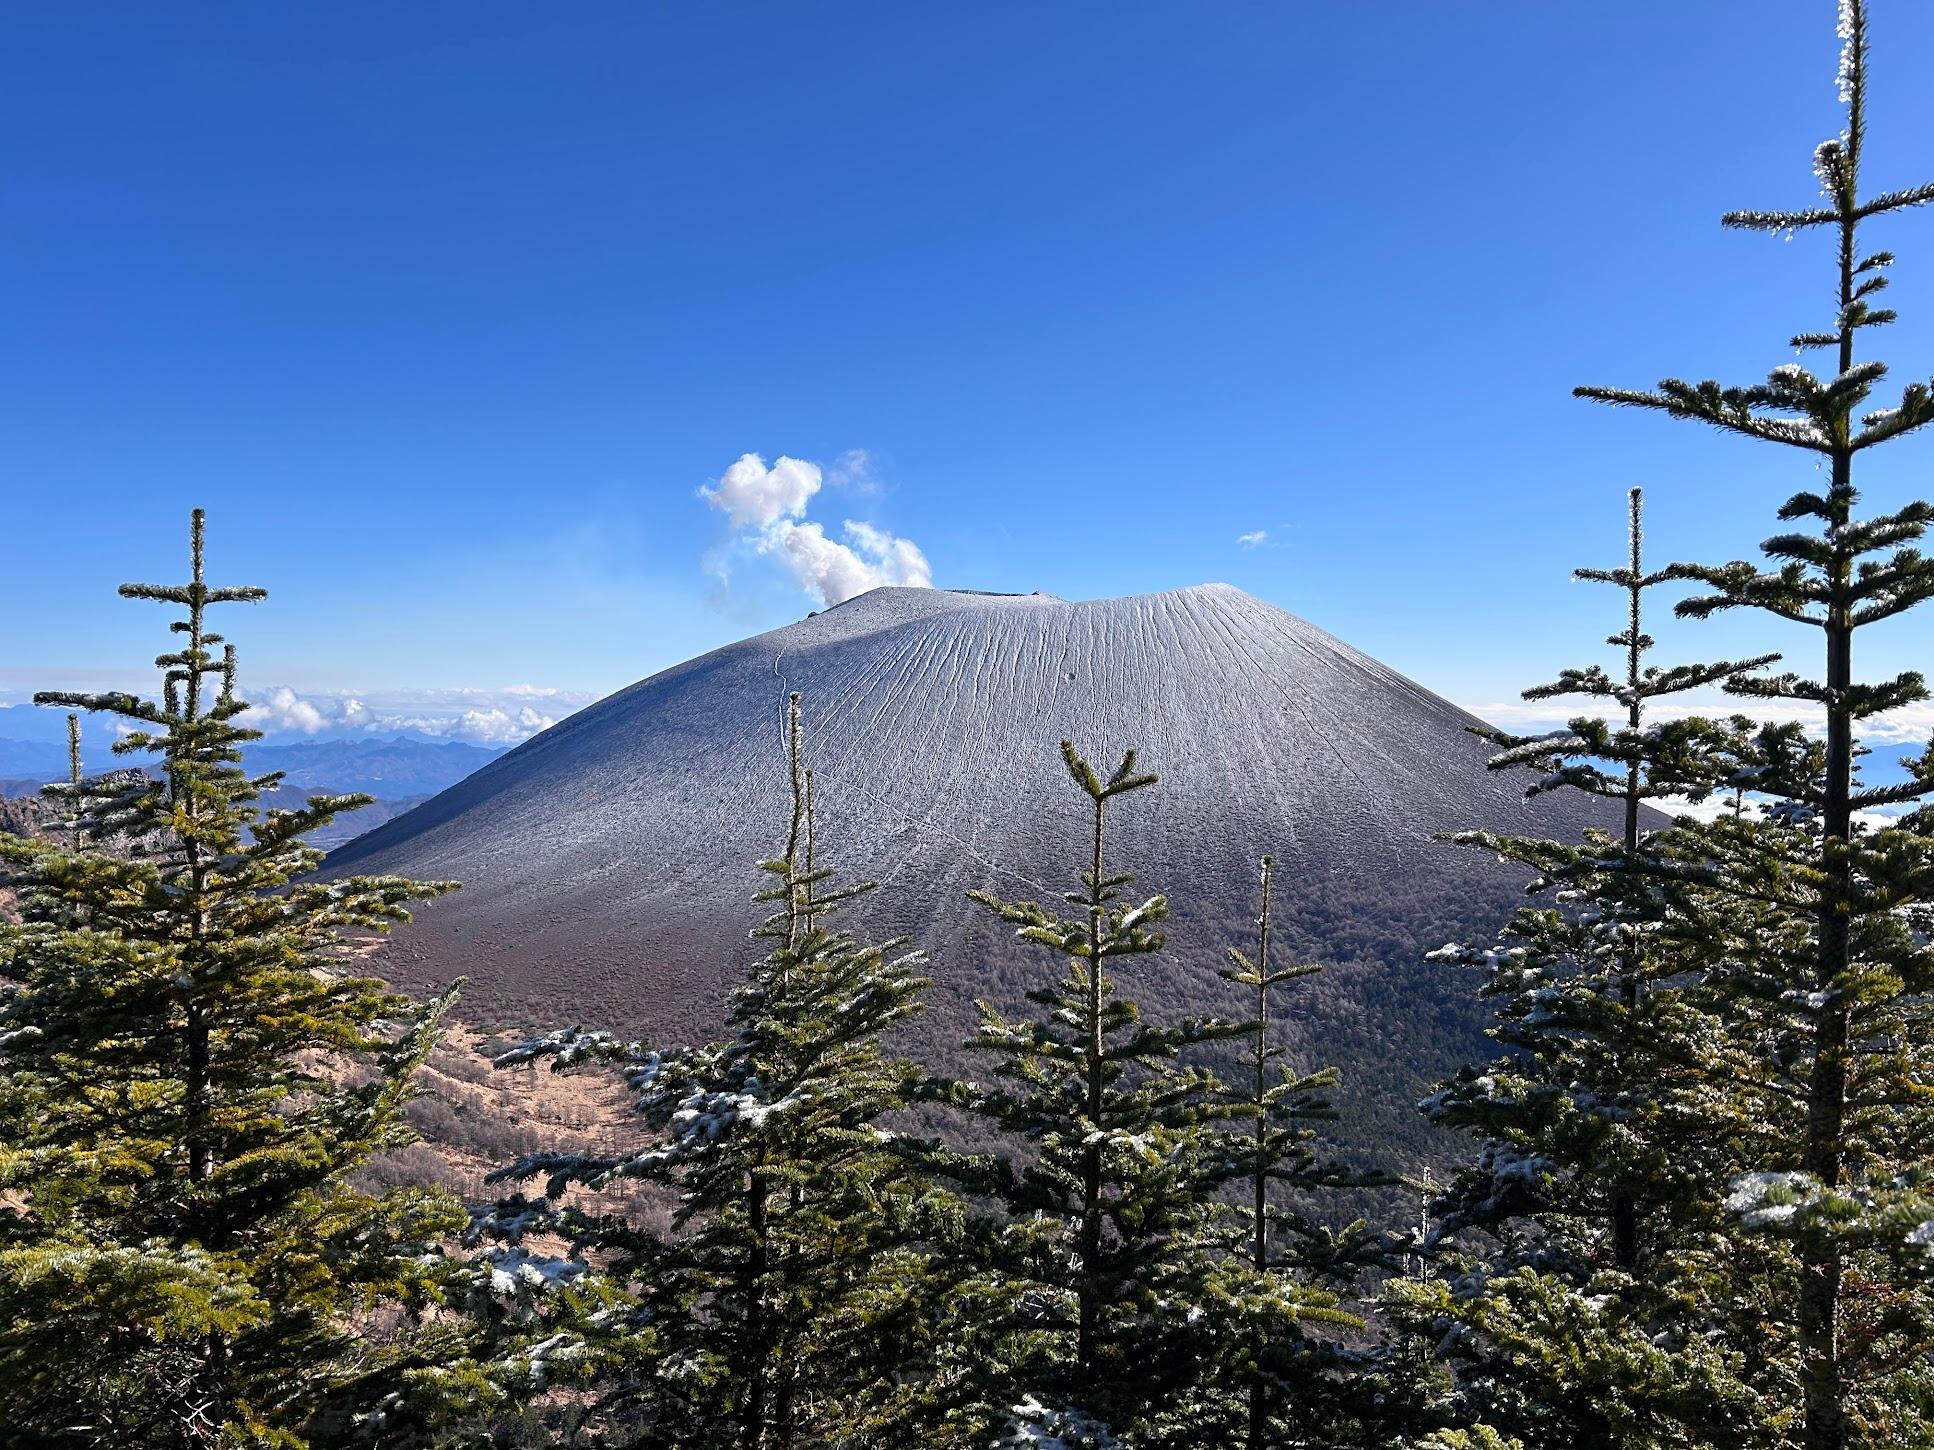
(399, 772)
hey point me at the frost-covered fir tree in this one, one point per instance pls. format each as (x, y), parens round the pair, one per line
(1279, 1367)
(188, 1078)
(1829, 967)
(1112, 1218)
(799, 1299)
(1592, 1206)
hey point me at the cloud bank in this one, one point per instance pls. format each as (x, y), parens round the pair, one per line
(1911, 725)
(506, 716)
(766, 510)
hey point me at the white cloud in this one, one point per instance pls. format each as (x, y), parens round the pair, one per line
(494, 726)
(1713, 807)
(282, 709)
(1253, 538)
(767, 509)
(503, 716)
(1910, 725)
(754, 496)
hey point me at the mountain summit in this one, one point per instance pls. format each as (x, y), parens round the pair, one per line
(608, 863)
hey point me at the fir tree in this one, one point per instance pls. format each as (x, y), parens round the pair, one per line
(190, 1078)
(1287, 1267)
(1112, 1227)
(797, 1301)
(1841, 1006)
(1602, 1162)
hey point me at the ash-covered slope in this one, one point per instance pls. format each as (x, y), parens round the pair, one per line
(608, 863)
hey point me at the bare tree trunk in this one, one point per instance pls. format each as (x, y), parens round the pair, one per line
(1826, 1093)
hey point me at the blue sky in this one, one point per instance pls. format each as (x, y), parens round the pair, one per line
(448, 313)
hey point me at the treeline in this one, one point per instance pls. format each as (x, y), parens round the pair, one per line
(1695, 1209)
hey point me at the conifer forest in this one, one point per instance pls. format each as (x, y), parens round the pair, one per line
(1681, 1194)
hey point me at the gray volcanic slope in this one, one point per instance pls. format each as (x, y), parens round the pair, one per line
(608, 863)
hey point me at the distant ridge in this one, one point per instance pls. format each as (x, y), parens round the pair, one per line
(608, 862)
(399, 772)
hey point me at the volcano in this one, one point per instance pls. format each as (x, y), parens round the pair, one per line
(608, 864)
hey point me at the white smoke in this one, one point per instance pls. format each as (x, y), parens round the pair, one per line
(754, 496)
(766, 507)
